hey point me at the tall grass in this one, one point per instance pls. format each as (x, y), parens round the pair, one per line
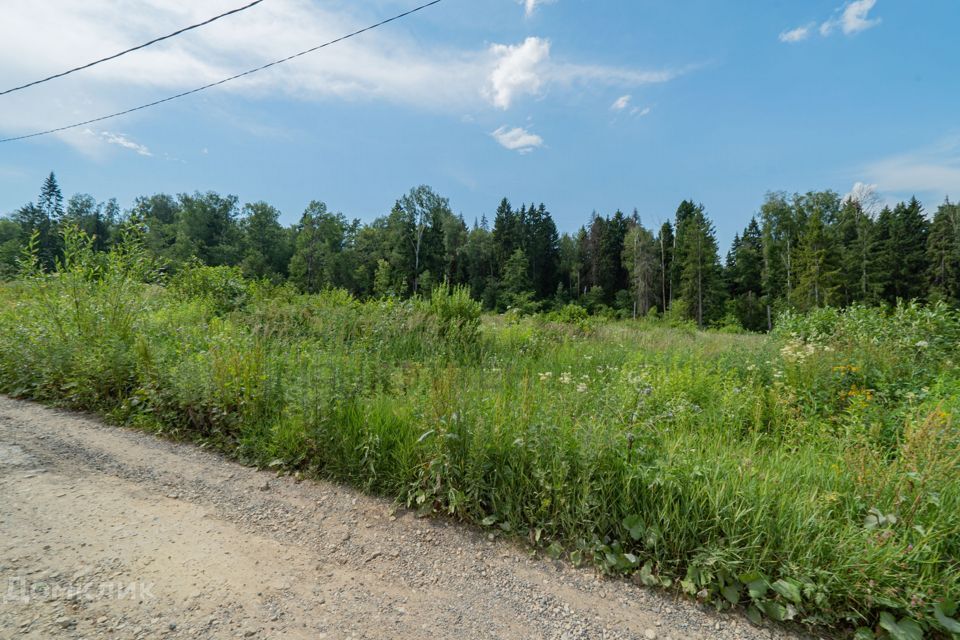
(810, 475)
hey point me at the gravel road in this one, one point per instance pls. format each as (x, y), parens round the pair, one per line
(112, 533)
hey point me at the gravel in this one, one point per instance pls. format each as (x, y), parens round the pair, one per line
(133, 536)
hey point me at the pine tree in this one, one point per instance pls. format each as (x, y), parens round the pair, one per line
(884, 256)
(909, 230)
(641, 260)
(701, 278)
(51, 199)
(43, 218)
(818, 271)
(685, 213)
(517, 290)
(745, 278)
(857, 233)
(666, 243)
(943, 254)
(479, 257)
(569, 267)
(506, 235)
(543, 251)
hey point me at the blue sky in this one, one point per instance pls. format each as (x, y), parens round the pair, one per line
(580, 104)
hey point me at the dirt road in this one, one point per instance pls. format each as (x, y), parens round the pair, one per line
(110, 533)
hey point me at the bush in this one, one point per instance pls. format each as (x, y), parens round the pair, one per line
(223, 288)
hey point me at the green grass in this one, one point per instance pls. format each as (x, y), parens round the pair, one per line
(810, 475)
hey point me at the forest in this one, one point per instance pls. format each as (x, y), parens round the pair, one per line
(798, 252)
(795, 457)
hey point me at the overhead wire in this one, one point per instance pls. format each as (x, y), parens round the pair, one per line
(131, 49)
(225, 80)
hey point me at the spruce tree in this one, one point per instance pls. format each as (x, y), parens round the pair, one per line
(51, 199)
(701, 278)
(908, 243)
(745, 278)
(818, 268)
(666, 242)
(943, 254)
(859, 257)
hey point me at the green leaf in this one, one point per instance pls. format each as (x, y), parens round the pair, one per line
(758, 588)
(731, 593)
(905, 629)
(653, 536)
(774, 610)
(646, 575)
(555, 550)
(750, 576)
(948, 606)
(754, 615)
(576, 557)
(634, 526)
(489, 520)
(789, 590)
(943, 612)
(863, 633)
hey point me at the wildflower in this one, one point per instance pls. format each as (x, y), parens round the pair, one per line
(923, 344)
(566, 378)
(546, 375)
(582, 387)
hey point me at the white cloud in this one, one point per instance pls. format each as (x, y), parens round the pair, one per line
(622, 104)
(527, 69)
(932, 172)
(384, 66)
(518, 70)
(517, 139)
(530, 6)
(121, 140)
(796, 35)
(853, 19)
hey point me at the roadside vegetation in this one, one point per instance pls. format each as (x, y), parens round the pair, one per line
(812, 474)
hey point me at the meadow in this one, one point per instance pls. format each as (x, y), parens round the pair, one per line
(810, 475)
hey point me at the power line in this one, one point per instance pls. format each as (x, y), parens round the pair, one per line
(137, 48)
(225, 80)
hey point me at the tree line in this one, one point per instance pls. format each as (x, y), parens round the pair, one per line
(800, 251)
